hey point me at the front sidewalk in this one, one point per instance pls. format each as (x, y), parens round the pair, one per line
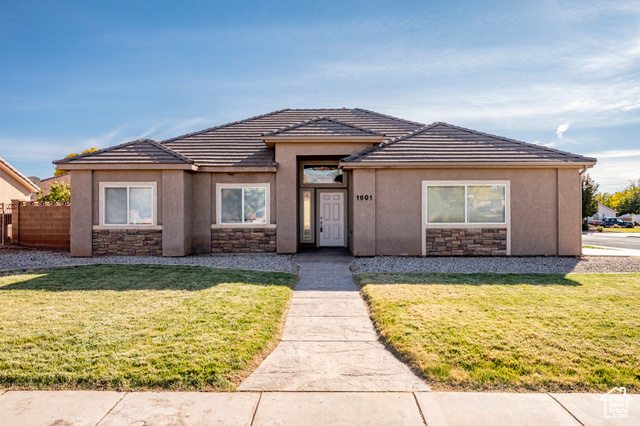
(97, 408)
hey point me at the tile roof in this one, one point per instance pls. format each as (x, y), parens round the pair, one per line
(323, 126)
(45, 184)
(142, 151)
(20, 177)
(240, 143)
(442, 143)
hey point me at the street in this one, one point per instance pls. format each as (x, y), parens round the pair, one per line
(612, 239)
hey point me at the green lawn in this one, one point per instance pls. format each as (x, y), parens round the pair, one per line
(529, 332)
(138, 327)
(631, 230)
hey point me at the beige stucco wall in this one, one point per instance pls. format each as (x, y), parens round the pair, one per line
(287, 184)
(12, 189)
(545, 209)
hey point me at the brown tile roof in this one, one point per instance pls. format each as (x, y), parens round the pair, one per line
(45, 184)
(19, 176)
(323, 126)
(240, 143)
(442, 143)
(143, 151)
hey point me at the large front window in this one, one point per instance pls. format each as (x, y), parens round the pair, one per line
(128, 205)
(243, 204)
(466, 204)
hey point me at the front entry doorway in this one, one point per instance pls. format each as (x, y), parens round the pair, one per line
(331, 219)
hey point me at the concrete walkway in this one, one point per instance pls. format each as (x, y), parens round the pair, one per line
(329, 343)
(93, 408)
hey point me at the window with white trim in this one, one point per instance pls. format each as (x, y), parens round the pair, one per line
(128, 205)
(243, 204)
(466, 203)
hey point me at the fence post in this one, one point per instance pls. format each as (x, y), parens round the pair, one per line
(15, 221)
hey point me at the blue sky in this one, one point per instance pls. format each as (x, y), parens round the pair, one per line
(79, 74)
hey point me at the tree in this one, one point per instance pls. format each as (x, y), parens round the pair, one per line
(59, 191)
(73, 154)
(589, 200)
(630, 199)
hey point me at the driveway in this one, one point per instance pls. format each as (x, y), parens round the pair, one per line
(620, 240)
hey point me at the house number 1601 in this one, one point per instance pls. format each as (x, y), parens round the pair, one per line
(364, 197)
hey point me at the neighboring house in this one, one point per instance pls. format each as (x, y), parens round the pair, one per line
(354, 178)
(631, 217)
(13, 184)
(45, 184)
(603, 212)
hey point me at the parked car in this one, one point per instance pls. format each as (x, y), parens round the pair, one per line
(595, 222)
(610, 221)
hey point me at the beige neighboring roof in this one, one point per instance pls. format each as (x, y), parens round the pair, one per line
(142, 151)
(45, 184)
(323, 127)
(442, 144)
(18, 176)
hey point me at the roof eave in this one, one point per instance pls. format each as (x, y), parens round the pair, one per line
(25, 181)
(104, 165)
(410, 165)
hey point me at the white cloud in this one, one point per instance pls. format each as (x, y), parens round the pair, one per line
(626, 153)
(561, 129)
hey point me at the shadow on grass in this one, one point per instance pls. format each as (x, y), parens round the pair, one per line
(141, 277)
(465, 279)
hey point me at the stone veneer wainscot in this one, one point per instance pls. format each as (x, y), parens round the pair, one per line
(466, 241)
(243, 240)
(127, 242)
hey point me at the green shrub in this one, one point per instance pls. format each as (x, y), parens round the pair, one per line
(600, 228)
(585, 226)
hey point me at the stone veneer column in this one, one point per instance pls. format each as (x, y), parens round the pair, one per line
(364, 212)
(81, 213)
(176, 219)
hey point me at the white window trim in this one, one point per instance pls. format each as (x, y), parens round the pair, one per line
(267, 201)
(506, 224)
(102, 205)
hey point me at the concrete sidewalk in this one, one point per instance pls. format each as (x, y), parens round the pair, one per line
(329, 343)
(79, 408)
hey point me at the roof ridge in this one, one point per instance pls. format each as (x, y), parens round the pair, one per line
(390, 116)
(382, 145)
(28, 181)
(255, 117)
(122, 145)
(321, 118)
(514, 140)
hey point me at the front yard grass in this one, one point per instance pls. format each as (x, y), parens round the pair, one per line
(630, 230)
(513, 332)
(138, 327)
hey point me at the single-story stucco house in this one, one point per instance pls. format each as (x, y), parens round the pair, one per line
(14, 185)
(354, 178)
(603, 212)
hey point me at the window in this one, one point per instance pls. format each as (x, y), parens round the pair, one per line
(466, 203)
(243, 204)
(322, 174)
(128, 204)
(307, 215)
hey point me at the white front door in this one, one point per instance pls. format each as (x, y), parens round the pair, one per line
(331, 219)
